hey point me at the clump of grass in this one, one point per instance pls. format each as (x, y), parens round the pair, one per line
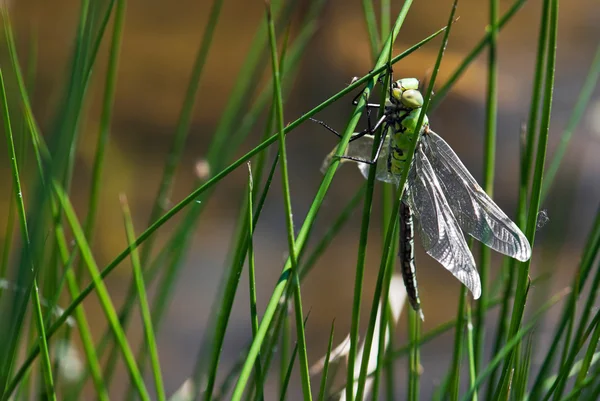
(54, 266)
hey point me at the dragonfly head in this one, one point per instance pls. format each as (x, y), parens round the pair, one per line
(406, 92)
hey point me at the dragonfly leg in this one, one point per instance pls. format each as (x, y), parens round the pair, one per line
(369, 130)
(368, 105)
(355, 136)
(376, 157)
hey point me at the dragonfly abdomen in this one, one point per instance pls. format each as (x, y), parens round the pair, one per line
(407, 258)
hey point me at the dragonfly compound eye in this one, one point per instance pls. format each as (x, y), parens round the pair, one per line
(397, 95)
(412, 98)
(408, 83)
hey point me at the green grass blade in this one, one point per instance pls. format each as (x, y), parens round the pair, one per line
(305, 230)
(371, 23)
(39, 320)
(534, 110)
(288, 208)
(334, 229)
(489, 159)
(590, 251)
(471, 352)
(144, 305)
(565, 370)
(511, 344)
(288, 374)
(581, 104)
(103, 295)
(323, 386)
(360, 268)
(387, 322)
(459, 337)
(443, 91)
(392, 227)
(534, 205)
(105, 118)
(252, 278)
(522, 371)
(86, 336)
(386, 18)
(590, 352)
(208, 185)
(183, 123)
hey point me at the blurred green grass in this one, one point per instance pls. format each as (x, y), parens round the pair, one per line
(111, 119)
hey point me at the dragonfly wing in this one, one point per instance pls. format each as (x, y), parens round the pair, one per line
(475, 211)
(440, 233)
(362, 148)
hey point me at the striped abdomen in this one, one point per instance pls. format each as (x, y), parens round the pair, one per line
(407, 258)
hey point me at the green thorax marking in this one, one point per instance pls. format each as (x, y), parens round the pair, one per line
(402, 128)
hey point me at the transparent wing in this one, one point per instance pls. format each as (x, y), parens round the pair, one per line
(362, 148)
(440, 233)
(476, 213)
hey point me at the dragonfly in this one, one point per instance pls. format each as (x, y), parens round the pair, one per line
(440, 192)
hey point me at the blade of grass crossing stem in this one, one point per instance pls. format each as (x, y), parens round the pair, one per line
(523, 280)
(39, 320)
(105, 300)
(581, 104)
(229, 280)
(392, 227)
(242, 88)
(370, 78)
(305, 377)
(323, 386)
(311, 215)
(231, 283)
(144, 305)
(252, 277)
(489, 158)
(183, 122)
(165, 287)
(511, 344)
(333, 231)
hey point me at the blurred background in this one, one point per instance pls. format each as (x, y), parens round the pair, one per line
(159, 45)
